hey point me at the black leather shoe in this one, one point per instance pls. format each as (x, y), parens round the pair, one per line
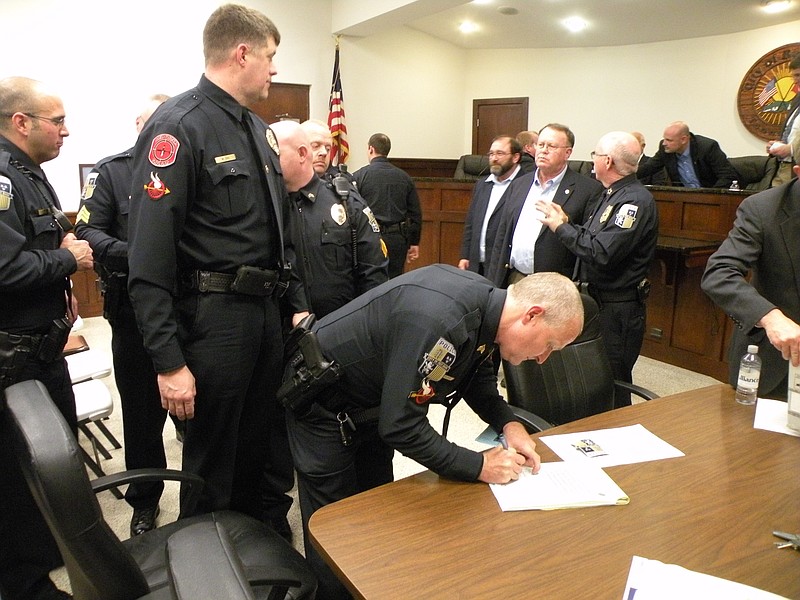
(144, 519)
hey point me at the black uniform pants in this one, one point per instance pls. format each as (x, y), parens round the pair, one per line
(397, 247)
(233, 346)
(28, 551)
(142, 414)
(622, 325)
(328, 471)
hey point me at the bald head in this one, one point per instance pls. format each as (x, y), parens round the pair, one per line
(676, 137)
(295, 154)
(639, 138)
(32, 117)
(153, 102)
(321, 140)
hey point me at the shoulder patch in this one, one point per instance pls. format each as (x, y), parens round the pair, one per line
(6, 193)
(438, 360)
(156, 188)
(163, 150)
(626, 216)
(89, 185)
(273, 141)
(373, 222)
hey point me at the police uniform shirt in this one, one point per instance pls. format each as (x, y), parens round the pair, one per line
(391, 195)
(323, 244)
(102, 219)
(617, 245)
(33, 283)
(207, 194)
(414, 340)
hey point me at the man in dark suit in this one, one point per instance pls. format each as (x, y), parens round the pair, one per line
(690, 160)
(522, 245)
(781, 148)
(480, 227)
(765, 239)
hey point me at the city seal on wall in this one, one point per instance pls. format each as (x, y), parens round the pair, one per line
(766, 91)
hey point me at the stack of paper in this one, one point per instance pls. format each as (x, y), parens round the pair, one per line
(559, 485)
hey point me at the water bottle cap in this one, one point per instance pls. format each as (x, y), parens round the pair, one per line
(752, 349)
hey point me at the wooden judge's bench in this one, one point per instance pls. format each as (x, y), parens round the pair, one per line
(684, 328)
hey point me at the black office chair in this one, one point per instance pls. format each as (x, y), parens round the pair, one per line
(100, 567)
(572, 383)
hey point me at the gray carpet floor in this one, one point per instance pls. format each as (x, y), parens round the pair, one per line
(465, 426)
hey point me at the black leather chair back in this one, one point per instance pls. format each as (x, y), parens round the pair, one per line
(572, 383)
(472, 166)
(98, 565)
(755, 172)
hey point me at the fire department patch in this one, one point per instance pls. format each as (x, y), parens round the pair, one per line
(164, 150)
(156, 188)
(88, 186)
(437, 362)
(6, 193)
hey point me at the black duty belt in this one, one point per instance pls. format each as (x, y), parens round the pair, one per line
(623, 295)
(249, 281)
(26, 343)
(393, 228)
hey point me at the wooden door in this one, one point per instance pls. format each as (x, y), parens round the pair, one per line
(497, 116)
(285, 101)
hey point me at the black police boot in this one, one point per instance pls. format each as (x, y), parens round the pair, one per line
(144, 519)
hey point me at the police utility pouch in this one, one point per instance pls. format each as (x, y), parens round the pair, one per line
(253, 281)
(54, 341)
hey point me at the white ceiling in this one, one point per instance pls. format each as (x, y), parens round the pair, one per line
(537, 23)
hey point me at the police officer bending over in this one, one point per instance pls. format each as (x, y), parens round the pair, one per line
(411, 341)
(36, 313)
(340, 254)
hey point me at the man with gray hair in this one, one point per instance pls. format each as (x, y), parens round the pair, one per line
(411, 341)
(614, 249)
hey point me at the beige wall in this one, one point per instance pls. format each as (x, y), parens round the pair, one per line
(106, 57)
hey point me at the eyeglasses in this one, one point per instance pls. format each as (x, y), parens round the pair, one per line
(594, 154)
(57, 121)
(498, 154)
(545, 147)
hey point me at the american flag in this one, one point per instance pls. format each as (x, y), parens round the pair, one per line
(340, 148)
(768, 92)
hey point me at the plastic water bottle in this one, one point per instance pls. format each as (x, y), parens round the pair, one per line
(735, 186)
(749, 374)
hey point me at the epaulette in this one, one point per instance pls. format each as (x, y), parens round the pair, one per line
(122, 155)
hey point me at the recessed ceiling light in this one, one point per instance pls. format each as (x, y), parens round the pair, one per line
(575, 24)
(468, 27)
(775, 6)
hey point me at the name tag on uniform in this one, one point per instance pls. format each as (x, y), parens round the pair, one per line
(224, 158)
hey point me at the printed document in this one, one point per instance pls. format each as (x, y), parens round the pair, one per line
(559, 485)
(611, 447)
(654, 580)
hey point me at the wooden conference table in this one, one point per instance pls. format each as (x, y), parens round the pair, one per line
(712, 511)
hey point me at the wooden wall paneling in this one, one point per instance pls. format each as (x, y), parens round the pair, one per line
(286, 100)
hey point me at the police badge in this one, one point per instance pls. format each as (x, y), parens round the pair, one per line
(338, 214)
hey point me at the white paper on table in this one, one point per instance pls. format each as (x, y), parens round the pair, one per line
(654, 580)
(616, 446)
(559, 485)
(772, 415)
